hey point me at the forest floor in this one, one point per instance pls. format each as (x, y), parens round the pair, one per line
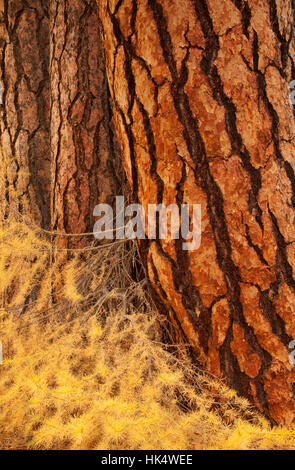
(12, 442)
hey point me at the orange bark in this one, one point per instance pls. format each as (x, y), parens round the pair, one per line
(203, 116)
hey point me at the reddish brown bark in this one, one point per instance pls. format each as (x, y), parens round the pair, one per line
(25, 153)
(59, 153)
(82, 142)
(202, 112)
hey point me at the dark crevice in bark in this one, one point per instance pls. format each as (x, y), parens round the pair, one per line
(245, 10)
(261, 82)
(276, 322)
(191, 298)
(128, 49)
(284, 45)
(283, 265)
(152, 152)
(256, 248)
(157, 281)
(182, 286)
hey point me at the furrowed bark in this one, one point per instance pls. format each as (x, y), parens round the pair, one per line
(82, 142)
(25, 147)
(203, 116)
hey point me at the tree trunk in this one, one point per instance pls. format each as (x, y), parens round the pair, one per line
(202, 113)
(25, 146)
(59, 156)
(82, 141)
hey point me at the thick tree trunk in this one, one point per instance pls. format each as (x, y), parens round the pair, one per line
(25, 147)
(202, 112)
(82, 142)
(59, 156)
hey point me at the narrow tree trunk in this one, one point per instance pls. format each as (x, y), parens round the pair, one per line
(82, 142)
(25, 148)
(202, 112)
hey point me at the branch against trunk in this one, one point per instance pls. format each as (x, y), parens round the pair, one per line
(83, 145)
(202, 113)
(25, 147)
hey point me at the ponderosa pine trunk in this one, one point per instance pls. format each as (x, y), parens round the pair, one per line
(82, 142)
(59, 156)
(24, 118)
(202, 113)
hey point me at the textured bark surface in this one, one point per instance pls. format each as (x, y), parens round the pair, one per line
(202, 113)
(25, 152)
(82, 143)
